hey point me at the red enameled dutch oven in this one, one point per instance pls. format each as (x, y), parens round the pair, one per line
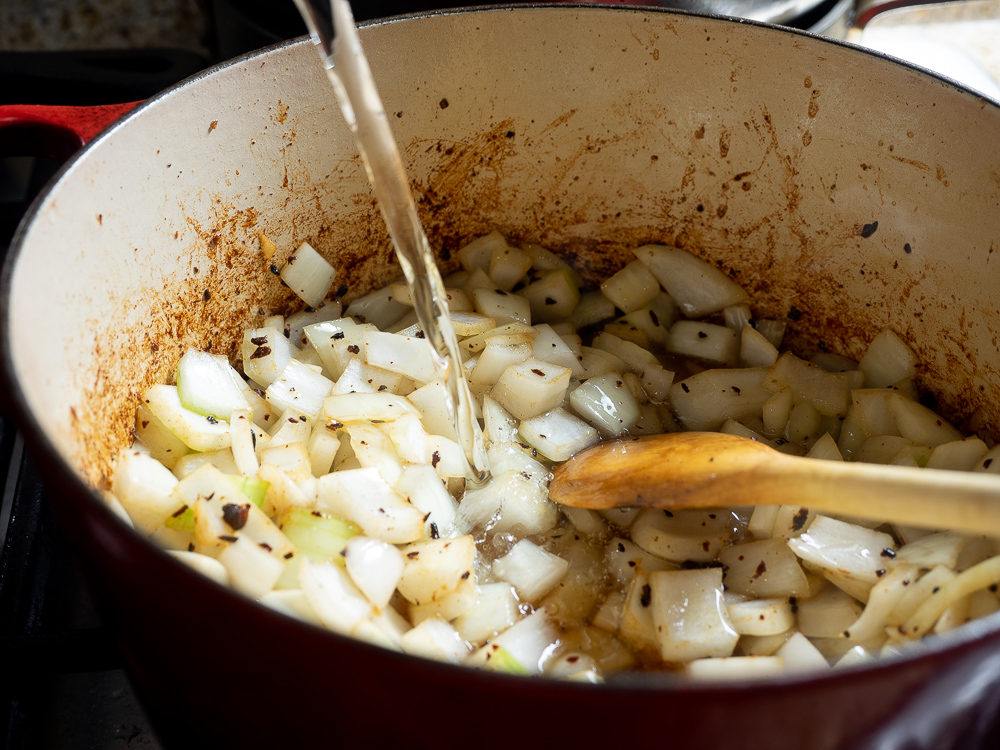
(590, 130)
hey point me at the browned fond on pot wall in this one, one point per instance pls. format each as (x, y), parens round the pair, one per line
(771, 154)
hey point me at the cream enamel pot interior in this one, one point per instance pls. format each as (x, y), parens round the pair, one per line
(845, 191)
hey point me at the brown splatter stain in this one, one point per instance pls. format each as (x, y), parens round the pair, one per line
(807, 138)
(700, 132)
(912, 162)
(132, 352)
(813, 105)
(655, 54)
(941, 175)
(282, 112)
(724, 143)
(561, 120)
(689, 173)
(140, 344)
(808, 82)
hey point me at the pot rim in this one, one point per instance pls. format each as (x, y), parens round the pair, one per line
(970, 636)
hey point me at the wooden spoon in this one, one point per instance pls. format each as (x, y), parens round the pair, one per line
(711, 469)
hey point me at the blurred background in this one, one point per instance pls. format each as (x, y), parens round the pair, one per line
(61, 683)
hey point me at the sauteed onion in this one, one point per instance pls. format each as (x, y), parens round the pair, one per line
(325, 480)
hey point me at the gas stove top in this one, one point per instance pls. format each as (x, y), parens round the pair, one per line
(61, 685)
(61, 682)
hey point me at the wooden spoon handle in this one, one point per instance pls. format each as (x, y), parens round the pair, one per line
(702, 470)
(927, 498)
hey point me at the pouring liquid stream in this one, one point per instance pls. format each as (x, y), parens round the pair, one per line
(348, 69)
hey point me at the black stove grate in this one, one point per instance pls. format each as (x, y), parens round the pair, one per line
(61, 682)
(61, 679)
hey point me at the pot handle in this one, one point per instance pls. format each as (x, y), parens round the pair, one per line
(54, 132)
(866, 10)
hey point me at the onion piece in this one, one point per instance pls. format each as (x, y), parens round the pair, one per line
(299, 386)
(631, 288)
(549, 347)
(799, 654)
(634, 356)
(883, 598)
(296, 323)
(361, 407)
(198, 432)
(252, 570)
(291, 602)
(698, 287)
(828, 614)
(421, 486)
(738, 668)
(553, 297)
(521, 649)
(887, 360)
(977, 577)
(335, 599)
(375, 567)
(478, 253)
(765, 568)
(844, 548)
(409, 356)
(308, 274)
(208, 385)
(502, 306)
(605, 403)
(755, 349)
(532, 570)
(683, 535)
(265, 353)
(761, 616)
(435, 568)
(706, 342)
(364, 497)
(958, 455)
(499, 354)
(377, 308)
(940, 548)
(689, 616)
(243, 442)
(162, 444)
(508, 265)
(827, 391)
(557, 434)
(145, 489)
(207, 566)
(704, 401)
(531, 387)
(920, 424)
(592, 308)
(435, 639)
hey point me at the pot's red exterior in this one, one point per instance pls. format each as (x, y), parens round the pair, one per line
(55, 132)
(204, 661)
(164, 206)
